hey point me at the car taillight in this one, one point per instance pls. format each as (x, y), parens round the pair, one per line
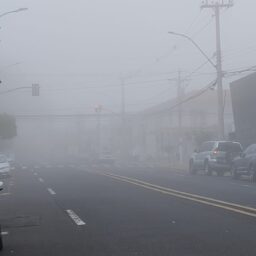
(214, 153)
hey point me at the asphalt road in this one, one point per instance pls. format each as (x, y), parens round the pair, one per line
(71, 210)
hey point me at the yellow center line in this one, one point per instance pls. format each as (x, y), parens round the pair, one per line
(249, 211)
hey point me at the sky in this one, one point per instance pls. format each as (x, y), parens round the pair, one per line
(81, 51)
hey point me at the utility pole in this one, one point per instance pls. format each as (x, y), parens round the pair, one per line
(123, 139)
(98, 110)
(180, 98)
(217, 6)
(123, 105)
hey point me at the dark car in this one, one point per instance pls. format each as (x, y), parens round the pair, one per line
(214, 156)
(245, 164)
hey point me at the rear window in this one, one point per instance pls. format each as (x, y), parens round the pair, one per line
(229, 147)
(3, 159)
(207, 146)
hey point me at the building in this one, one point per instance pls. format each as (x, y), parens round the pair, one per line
(160, 135)
(243, 93)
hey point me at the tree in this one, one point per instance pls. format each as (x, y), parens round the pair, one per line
(8, 128)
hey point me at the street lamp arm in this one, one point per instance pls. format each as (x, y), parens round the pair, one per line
(15, 89)
(196, 45)
(18, 10)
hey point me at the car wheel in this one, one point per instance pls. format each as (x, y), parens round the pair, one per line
(192, 169)
(234, 173)
(207, 169)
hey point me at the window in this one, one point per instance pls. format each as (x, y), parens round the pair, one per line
(251, 149)
(207, 146)
(229, 147)
(3, 159)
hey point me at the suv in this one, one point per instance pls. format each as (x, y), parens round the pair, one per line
(214, 156)
(245, 164)
(4, 166)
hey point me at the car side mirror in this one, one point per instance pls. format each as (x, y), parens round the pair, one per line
(1, 185)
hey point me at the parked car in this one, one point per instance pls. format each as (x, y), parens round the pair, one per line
(4, 166)
(214, 156)
(245, 164)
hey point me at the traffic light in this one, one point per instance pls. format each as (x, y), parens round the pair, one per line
(35, 90)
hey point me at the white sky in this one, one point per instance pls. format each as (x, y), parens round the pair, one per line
(72, 47)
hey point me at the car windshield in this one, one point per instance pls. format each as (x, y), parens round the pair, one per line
(3, 159)
(229, 147)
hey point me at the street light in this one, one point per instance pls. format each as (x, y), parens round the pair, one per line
(218, 67)
(196, 45)
(15, 11)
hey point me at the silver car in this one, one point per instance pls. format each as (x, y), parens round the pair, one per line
(214, 156)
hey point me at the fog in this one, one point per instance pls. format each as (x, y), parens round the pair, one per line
(127, 127)
(82, 52)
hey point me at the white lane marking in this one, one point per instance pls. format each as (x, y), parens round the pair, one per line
(181, 175)
(41, 180)
(5, 233)
(75, 218)
(5, 194)
(51, 191)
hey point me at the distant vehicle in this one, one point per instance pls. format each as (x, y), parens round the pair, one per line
(245, 164)
(214, 156)
(4, 165)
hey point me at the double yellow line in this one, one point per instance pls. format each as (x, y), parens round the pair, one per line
(237, 208)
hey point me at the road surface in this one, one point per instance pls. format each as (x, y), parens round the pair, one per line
(74, 210)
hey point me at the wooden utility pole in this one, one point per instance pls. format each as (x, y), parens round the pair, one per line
(217, 6)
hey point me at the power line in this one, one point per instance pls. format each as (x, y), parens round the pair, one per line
(209, 86)
(203, 28)
(194, 21)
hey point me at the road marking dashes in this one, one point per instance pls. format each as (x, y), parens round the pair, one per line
(51, 191)
(247, 186)
(75, 218)
(5, 194)
(4, 233)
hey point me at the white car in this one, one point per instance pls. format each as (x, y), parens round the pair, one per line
(4, 165)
